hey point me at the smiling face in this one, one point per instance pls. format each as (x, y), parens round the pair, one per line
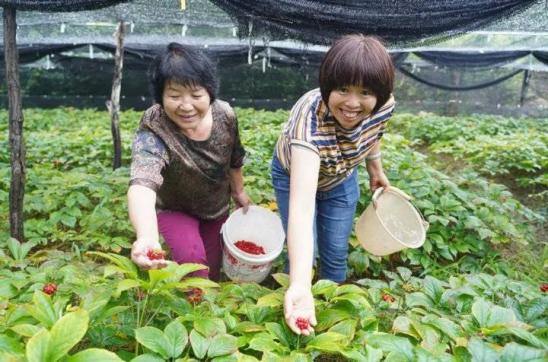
(186, 106)
(349, 105)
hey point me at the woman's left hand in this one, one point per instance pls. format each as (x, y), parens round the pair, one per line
(378, 179)
(242, 200)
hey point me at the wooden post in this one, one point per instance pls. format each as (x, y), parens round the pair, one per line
(524, 85)
(114, 104)
(17, 145)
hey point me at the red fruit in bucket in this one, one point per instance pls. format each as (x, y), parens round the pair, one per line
(156, 254)
(302, 323)
(249, 247)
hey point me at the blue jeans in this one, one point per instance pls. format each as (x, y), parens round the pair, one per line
(333, 219)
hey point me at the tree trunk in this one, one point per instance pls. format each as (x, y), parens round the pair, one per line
(114, 104)
(17, 145)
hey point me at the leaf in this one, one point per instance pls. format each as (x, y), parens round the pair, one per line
(210, 326)
(153, 339)
(433, 288)
(391, 343)
(528, 337)
(274, 299)
(67, 332)
(481, 352)
(404, 273)
(126, 284)
(282, 279)
(330, 342)
(26, 330)
(516, 352)
(42, 309)
(125, 264)
(418, 299)
(328, 317)
(346, 328)
(444, 325)
(148, 358)
(196, 282)
(37, 347)
(282, 334)
(177, 338)
(222, 344)
(94, 355)
(324, 287)
(264, 342)
(199, 344)
(9, 344)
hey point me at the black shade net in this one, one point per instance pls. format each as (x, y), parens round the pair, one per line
(320, 22)
(59, 5)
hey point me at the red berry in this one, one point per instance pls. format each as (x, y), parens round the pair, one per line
(156, 254)
(249, 247)
(388, 298)
(195, 295)
(544, 287)
(302, 323)
(50, 288)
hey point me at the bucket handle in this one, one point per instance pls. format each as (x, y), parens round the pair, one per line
(396, 190)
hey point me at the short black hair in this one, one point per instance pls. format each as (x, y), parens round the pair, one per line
(184, 65)
(358, 60)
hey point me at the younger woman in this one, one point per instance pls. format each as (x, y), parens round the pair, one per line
(330, 131)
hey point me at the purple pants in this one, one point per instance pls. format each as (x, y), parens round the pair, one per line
(192, 240)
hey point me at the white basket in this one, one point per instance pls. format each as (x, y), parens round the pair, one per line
(390, 223)
(260, 226)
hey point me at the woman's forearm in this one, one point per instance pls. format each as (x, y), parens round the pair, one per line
(236, 180)
(142, 212)
(302, 201)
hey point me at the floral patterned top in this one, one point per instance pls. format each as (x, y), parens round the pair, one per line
(187, 175)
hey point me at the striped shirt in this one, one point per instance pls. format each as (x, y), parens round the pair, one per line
(311, 125)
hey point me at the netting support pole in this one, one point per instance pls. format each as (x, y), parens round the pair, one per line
(114, 104)
(16, 141)
(524, 86)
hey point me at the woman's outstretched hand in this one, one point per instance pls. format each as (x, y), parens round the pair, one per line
(299, 310)
(148, 255)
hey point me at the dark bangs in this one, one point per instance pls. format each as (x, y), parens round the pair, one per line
(183, 65)
(360, 61)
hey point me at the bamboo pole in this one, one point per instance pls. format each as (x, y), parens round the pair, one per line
(114, 104)
(16, 141)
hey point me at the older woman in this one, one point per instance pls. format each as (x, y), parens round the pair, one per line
(186, 164)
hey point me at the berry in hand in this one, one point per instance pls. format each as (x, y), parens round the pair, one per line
(156, 254)
(302, 323)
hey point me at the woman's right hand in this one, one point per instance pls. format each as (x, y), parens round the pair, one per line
(299, 304)
(139, 254)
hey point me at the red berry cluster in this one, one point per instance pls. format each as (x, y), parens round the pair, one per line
(544, 287)
(249, 247)
(156, 254)
(195, 295)
(302, 323)
(388, 298)
(50, 288)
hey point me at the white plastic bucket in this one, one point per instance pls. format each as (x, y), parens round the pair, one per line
(260, 226)
(390, 223)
